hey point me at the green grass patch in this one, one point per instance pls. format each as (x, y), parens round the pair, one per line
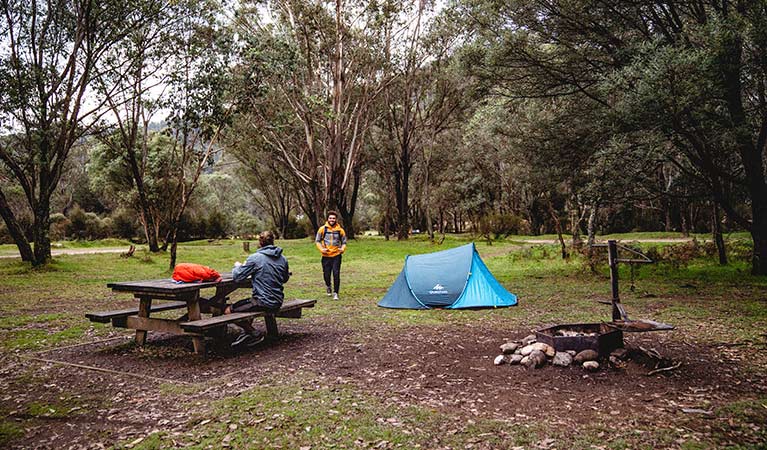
(48, 410)
(303, 412)
(9, 431)
(44, 308)
(550, 289)
(30, 332)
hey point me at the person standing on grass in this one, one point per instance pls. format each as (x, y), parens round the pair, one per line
(331, 242)
(269, 271)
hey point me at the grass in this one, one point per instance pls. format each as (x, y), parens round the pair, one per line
(305, 412)
(550, 289)
(9, 431)
(44, 308)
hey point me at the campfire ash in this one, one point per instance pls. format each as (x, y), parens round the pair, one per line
(571, 333)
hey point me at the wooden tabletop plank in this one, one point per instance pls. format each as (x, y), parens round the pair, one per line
(169, 286)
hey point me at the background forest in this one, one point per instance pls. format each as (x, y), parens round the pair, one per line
(161, 121)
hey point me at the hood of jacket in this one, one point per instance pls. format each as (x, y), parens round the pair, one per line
(335, 227)
(270, 250)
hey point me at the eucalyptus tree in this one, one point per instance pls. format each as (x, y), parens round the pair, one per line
(425, 96)
(271, 183)
(134, 95)
(691, 71)
(49, 54)
(277, 101)
(199, 91)
(310, 92)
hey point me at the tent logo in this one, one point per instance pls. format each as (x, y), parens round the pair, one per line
(438, 289)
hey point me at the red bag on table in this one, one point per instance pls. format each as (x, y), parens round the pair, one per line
(194, 273)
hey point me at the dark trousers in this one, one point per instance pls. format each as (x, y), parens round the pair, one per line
(332, 265)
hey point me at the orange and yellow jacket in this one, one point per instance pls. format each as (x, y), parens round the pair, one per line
(330, 238)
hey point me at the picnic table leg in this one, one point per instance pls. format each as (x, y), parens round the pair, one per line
(193, 305)
(271, 326)
(145, 304)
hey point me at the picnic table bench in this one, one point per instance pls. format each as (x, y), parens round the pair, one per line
(187, 296)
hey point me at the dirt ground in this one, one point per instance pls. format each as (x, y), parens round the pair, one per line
(449, 369)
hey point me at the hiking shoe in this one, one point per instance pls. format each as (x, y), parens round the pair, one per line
(328, 290)
(335, 296)
(242, 339)
(255, 340)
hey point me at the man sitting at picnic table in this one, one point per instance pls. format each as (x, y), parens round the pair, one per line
(269, 271)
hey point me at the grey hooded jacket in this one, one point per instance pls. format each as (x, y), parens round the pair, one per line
(270, 271)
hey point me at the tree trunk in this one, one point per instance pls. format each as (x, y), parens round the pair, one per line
(759, 234)
(347, 209)
(41, 232)
(592, 226)
(558, 226)
(173, 247)
(426, 192)
(386, 226)
(348, 224)
(401, 187)
(716, 230)
(147, 218)
(25, 250)
(751, 153)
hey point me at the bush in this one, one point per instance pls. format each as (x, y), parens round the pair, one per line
(59, 225)
(739, 249)
(217, 225)
(594, 257)
(306, 225)
(502, 225)
(245, 225)
(191, 227)
(77, 223)
(86, 225)
(295, 229)
(5, 237)
(125, 224)
(678, 255)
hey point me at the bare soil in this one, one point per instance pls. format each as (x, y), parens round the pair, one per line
(449, 369)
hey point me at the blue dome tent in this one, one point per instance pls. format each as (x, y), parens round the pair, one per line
(453, 279)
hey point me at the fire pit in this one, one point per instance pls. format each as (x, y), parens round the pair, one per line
(581, 336)
(601, 337)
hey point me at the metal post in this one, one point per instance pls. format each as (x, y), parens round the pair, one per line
(612, 257)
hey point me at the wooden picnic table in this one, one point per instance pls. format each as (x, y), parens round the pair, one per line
(187, 296)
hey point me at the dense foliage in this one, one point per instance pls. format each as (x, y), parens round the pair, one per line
(200, 118)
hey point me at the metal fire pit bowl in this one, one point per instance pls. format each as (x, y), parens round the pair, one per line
(581, 336)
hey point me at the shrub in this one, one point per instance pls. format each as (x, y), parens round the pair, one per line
(125, 224)
(86, 225)
(191, 227)
(5, 237)
(594, 257)
(505, 224)
(217, 225)
(77, 223)
(59, 225)
(680, 255)
(739, 249)
(245, 225)
(295, 229)
(95, 228)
